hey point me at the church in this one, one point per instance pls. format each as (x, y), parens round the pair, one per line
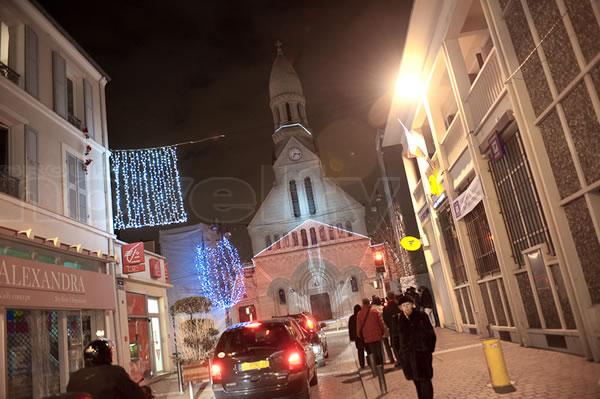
(308, 236)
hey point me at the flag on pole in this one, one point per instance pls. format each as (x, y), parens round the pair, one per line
(415, 144)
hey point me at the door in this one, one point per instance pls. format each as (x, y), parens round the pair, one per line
(321, 306)
(139, 347)
(448, 318)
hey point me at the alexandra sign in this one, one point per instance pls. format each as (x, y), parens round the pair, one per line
(15, 275)
(26, 283)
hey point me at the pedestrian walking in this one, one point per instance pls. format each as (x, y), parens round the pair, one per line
(390, 313)
(369, 327)
(378, 304)
(417, 343)
(358, 342)
(427, 304)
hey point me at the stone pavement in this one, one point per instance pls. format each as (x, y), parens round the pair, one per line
(166, 388)
(460, 371)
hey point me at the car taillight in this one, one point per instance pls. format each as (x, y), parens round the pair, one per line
(216, 372)
(310, 324)
(295, 360)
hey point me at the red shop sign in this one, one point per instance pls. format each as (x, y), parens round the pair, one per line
(155, 268)
(133, 258)
(166, 272)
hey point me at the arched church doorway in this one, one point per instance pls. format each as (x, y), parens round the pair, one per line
(320, 305)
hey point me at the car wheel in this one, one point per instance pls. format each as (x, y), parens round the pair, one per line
(315, 380)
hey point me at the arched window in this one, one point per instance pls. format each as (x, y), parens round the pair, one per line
(268, 242)
(277, 242)
(289, 112)
(299, 112)
(354, 284)
(310, 196)
(349, 228)
(294, 194)
(322, 235)
(313, 236)
(286, 241)
(331, 233)
(304, 238)
(277, 115)
(340, 230)
(295, 238)
(282, 298)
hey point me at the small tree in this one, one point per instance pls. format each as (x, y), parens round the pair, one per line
(198, 335)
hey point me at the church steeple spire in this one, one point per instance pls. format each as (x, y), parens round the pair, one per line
(288, 104)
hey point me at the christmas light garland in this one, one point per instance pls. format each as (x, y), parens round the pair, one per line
(147, 188)
(220, 273)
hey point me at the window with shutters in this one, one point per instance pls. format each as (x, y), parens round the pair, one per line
(304, 238)
(88, 106)
(8, 184)
(457, 265)
(310, 196)
(294, 195)
(313, 236)
(31, 165)
(76, 189)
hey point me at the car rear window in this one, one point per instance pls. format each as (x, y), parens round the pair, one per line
(265, 335)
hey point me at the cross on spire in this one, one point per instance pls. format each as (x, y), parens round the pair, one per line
(278, 44)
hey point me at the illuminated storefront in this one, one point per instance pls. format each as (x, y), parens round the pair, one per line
(52, 304)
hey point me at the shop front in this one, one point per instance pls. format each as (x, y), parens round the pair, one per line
(51, 306)
(142, 288)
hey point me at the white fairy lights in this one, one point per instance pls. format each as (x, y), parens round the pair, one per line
(147, 188)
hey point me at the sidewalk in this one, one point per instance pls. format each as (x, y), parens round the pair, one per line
(460, 371)
(166, 388)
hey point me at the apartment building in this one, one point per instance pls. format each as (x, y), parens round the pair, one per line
(508, 111)
(57, 287)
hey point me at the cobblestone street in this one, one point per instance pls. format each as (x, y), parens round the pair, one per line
(459, 372)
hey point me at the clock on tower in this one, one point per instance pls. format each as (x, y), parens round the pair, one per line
(295, 154)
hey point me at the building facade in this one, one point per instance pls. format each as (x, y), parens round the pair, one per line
(314, 268)
(56, 280)
(509, 115)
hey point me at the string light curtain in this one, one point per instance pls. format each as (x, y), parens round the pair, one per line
(220, 273)
(147, 188)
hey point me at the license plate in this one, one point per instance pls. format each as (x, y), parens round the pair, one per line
(261, 364)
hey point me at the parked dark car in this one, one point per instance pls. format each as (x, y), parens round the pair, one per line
(315, 333)
(263, 359)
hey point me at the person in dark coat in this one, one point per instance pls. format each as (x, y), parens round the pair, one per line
(101, 379)
(358, 342)
(390, 313)
(417, 344)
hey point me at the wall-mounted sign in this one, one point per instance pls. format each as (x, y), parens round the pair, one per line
(27, 283)
(468, 200)
(424, 213)
(410, 243)
(133, 258)
(496, 146)
(435, 183)
(439, 200)
(155, 268)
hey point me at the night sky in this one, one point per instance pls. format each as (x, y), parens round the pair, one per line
(185, 70)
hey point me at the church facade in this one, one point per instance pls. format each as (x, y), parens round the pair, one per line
(309, 236)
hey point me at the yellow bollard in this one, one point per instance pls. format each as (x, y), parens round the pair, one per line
(497, 366)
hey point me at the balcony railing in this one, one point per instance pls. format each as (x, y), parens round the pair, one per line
(9, 73)
(486, 89)
(9, 184)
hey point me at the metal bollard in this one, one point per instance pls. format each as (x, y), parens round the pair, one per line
(381, 378)
(497, 366)
(191, 389)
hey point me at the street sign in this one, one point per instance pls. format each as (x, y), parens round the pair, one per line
(410, 243)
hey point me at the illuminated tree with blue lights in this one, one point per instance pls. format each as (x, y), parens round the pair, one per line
(221, 274)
